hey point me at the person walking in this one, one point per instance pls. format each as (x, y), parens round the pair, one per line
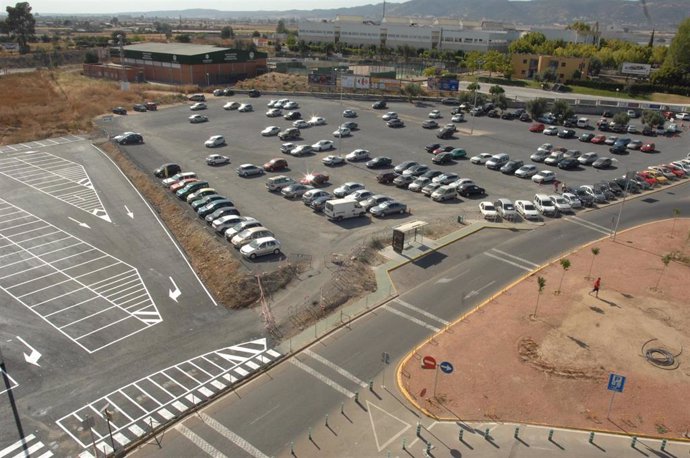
(563, 187)
(555, 186)
(597, 284)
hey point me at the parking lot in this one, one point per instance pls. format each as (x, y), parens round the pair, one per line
(170, 137)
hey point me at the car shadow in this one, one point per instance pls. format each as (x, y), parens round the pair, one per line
(353, 223)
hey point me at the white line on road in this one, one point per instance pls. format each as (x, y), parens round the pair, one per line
(517, 258)
(587, 224)
(336, 368)
(199, 442)
(237, 440)
(450, 279)
(321, 377)
(420, 311)
(423, 324)
(477, 291)
(519, 266)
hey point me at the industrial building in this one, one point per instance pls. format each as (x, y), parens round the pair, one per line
(174, 63)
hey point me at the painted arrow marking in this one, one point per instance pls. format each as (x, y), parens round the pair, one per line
(450, 279)
(34, 356)
(477, 291)
(80, 223)
(174, 294)
(129, 212)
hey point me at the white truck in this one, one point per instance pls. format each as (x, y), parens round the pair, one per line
(340, 209)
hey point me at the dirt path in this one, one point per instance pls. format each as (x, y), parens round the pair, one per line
(554, 369)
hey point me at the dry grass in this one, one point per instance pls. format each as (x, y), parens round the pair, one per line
(227, 280)
(52, 103)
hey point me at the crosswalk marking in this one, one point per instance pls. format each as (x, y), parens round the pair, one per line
(335, 367)
(588, 224)
(519, 266)
(319, 376)
(423, 324)
(199, 442)
(517, 258)
(27, 447)
(237, 440)
(421, 312)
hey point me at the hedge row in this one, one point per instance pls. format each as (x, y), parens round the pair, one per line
(503, 81)
(640, 88)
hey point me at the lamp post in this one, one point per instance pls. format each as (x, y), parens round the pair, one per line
(207, 80)
(108, 414)
(474, 105)
(628, 176)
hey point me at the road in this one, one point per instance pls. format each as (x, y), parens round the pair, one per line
(283, 406)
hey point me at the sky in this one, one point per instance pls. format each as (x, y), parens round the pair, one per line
(91, 7)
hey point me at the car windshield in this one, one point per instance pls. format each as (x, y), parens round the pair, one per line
(508, 207)
(529, 207)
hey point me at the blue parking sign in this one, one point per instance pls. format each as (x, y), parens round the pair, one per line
(616, 383)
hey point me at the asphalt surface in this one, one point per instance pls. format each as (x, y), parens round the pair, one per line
(276, 412)
(171, 138)
(86, 279)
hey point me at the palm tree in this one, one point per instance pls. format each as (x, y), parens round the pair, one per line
(676, 214)
(666, 260)
(595, 253)
(565, 263)
(541, 282)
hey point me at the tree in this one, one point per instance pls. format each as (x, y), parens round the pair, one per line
(580, 26)
(473, 86)
(565, 264)
(115, 21)
(653, 118)
(256, 34)
(413, 90)
(115, 36)
(527, 43)
(541, 283)
(496, 90)
(291, 42)
(280, 28)
(226, 32)
(500, 101)
(183, 38)
(537, 107)
(90, 57)
(595, 253)
(473, 59)
(621, 118)
(561, 109)
(21, 25)
(678, 55)
(666, 259)
(164, 28)
(493, 62)
(429, 71)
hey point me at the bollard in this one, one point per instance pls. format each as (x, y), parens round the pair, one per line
(663, 445)
(427, 450)
(371, 385)
(517, 432)
(551, 435)
(460, 434)
(419, 428)
(310, 434)
(357, 397)
(326, 420)
(342, 408)
(292, 448)
(591, 437)
(487, 434)
(634, 442)
(388, 454)
(404, 447)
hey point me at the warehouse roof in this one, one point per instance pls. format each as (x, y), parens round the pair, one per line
(180, 49)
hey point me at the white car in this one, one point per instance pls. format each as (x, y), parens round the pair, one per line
(246, 170)
(301, 124)
(342, 132)
(217, 159)
(197, 118)
(357, 155)
(488, 210)
(198, 106)
(390, 115)
(545, 147)
(245, 108)
(551, 130)
(317, 121)
(560, 203)
(446, 178)
(332, 160)
(360, 195)
(526, 171)
(572, 199)
(274, 112)
(527, 209)
(635, 144)
(216, 140)
(323, 145)
(588, 158)
(301, 150)
(458, 117)
(270, 131)
(418, 184)
(261, 247)
(544, 176)
(347, 189)
(457, 183)
(683, 116)
(232, 106)
(271, 103)
(245, 222)
(480, 158)
(435, 114)
(290, 105)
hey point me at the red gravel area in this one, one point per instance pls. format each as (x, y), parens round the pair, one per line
(553, 368)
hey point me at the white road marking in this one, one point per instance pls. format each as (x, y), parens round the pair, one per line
(423, 324)
(199, 442)
(421, 312)
(319, 376)
(587, 224)
(18, 450)
(237, 440)
(13, 383)
(517, 258)
(477, 291)
(335, 367)
(451, 279)
(519, 266)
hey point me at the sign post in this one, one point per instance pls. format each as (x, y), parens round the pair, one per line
(616, 384)
(446, 367)
(386, 360)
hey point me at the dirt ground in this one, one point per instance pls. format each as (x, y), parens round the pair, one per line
(553, 368)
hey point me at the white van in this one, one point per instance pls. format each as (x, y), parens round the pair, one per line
(545, 205)
(554, 158)
(278, 183)
(339, 209)
(583, 123)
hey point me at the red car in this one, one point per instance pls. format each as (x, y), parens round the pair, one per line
(677, 171)
(182, 184)
(275, 165)
(598, 139)
(442, 149)
(537, 127)
(647, 177)
(315, 179)
(648, 148)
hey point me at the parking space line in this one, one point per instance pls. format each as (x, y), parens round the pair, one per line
(205, 372)
(136, 418)
(588, 224)
(187, 374)
(31, 280)
(42, 236)
(335, 367)
(79, 242)
(57, 297)
(102, 327)
(43, 289)
(414, 320)
(319, 376)
(13, 382)
(87, 262)
(70, 256)
(85, 317)
(20, 272)
(133, 280)
(71, 306)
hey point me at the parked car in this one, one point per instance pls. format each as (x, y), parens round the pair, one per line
(544, 176)
(480, 158)
(295, 190)
(586, 137)
(388, 208)
(497, 161)
(403, 181)
(247, 170)
(347, 188)
(561, 204)
(248, 235)
(430, 124)
(526, 171)
(386, 177)
(378, 162)
(527, 209)
(315, 179)
(510, 167)
(169, 170)
(342, 132)
(140, 107)
(379, 105)
(505, 209)
(245, 108)
(301, 150)
(198, 106)
(349, 114)
(119, 111)
(648, 148)
(551, 130)
(129, 138)
(469, 190)
(232, 106)
(588, 158)
(270, 131)
(488, 210)
(566, 133)
(261, 247)
(390, 115)
(400, 168)
(418, 184)
(602, 163)
(537, 127)
(568, 163)
(544, 205)
(540, 156)
(358, 155)
(309, 196)
(275, 165)
(292, 115)
(215, 141)
(332, 160)
(395, 123)
(217, 159)
(323, 145)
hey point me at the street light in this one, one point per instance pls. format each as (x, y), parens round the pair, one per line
(207, 80)
(628, 176)
(108, 414)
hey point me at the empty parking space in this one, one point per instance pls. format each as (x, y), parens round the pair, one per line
(40, 144)
(91, 297)
(164, 395)
(59, 178)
